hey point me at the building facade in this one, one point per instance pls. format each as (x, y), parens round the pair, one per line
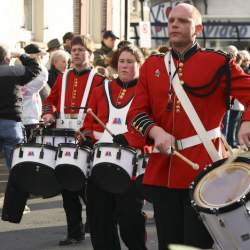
(41, 20)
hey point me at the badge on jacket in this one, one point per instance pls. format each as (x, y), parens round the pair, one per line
(157, 73)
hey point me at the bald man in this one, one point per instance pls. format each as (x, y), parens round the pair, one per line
(209, 78)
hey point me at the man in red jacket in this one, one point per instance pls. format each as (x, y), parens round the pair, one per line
(64, 97)
(209, 78)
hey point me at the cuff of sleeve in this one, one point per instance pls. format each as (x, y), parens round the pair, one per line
(142, 123)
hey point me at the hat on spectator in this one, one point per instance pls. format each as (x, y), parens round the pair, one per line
(32, 49)
(109, 33)
(53, 44)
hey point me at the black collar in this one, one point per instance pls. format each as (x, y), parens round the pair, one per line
(81, 72)
(127, 84)
(188, 53)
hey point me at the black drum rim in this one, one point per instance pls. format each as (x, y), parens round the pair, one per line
(218, 210)
(114, 145)
(73, 145)
(34, 145)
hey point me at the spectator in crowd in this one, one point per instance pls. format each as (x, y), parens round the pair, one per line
(67, 37)
(103, 55)
(245, 61)
(59, 60)
(32, 103)
(233, 51)
(232, 117)
(52, 46)
(11, 78)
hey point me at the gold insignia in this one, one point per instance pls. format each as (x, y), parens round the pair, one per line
(157, 73)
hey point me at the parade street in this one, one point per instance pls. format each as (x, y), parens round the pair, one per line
(45, 225)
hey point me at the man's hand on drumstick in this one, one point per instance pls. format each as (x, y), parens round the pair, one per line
(244, 134)
(163, 141)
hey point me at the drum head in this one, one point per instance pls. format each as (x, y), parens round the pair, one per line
(223, 185)
(70, 177)
(111, 178)
(36, 178)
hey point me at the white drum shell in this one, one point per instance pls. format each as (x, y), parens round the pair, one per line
(227, 229)
(68, 158)
(32, 154)
(109, 155)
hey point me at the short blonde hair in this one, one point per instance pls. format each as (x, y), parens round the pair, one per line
(59, 54)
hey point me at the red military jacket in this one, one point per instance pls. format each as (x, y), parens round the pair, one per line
(151, 103)
(76, 83)
(99, 104)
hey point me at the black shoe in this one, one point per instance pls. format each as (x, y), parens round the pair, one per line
(71, 241)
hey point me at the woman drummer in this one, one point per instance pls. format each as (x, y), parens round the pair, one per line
(105, 210)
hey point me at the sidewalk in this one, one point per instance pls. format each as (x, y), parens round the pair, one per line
(45, 225)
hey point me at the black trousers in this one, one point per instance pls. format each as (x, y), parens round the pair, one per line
(73, 209)
(176, 221)
(105, 211)
(14, 202)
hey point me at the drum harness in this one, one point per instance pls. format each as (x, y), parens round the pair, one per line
(81, 115)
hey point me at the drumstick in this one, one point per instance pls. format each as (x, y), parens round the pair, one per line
(194, 166)
(172, 151)
(89, 111)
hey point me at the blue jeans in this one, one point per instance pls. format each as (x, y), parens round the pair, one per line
(11, 133)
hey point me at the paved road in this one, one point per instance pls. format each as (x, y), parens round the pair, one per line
(45, 225)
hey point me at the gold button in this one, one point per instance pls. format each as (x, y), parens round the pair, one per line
(180, 70)
(180, 74)
(181, 64)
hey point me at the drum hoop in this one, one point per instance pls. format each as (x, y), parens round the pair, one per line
(35, 145)
(73, 145)
(222, 208)
(114, 145)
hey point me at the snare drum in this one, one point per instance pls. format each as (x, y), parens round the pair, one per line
(113, 166)
(221, 196)
(32, 169)
(55, 136)
(72, 165)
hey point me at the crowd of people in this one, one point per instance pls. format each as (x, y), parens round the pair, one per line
(135, 97)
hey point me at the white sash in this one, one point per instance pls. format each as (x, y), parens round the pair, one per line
(190, 111)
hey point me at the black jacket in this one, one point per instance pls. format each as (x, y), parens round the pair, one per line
(11, 78)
